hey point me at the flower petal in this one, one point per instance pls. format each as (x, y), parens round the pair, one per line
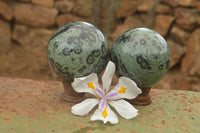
(126, 88)
(108, 75)
(86, 84)
(124, 108)
(84, 107)
(111, 117)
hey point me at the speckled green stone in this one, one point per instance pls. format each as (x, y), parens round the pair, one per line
(142, 55)
(76, 50)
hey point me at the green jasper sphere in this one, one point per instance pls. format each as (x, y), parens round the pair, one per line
(142, 55)
(76, 50)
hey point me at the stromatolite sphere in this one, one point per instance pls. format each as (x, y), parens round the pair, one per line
(76, 50)
(142, 55)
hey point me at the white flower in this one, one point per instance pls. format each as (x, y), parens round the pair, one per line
(126, 88)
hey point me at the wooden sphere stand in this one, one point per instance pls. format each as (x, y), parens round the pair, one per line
(69, 95)
(142, 99)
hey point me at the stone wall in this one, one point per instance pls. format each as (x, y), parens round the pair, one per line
(26, 26)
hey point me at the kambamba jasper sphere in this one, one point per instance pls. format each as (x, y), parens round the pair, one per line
(76, 50)
(142, 55)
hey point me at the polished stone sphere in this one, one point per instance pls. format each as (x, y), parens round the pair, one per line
(142, 55)
(76, 50)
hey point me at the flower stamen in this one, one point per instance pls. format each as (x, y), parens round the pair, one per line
(91, 85)
(105, 113)
(122, 90)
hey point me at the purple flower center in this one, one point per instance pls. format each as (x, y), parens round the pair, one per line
(100, 92)
(102, 103)
(111, 94)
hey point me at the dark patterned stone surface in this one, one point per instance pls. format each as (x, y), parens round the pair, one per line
(142, 55)
(76, 50)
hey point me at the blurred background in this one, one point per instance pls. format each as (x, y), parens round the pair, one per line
(26, 26)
